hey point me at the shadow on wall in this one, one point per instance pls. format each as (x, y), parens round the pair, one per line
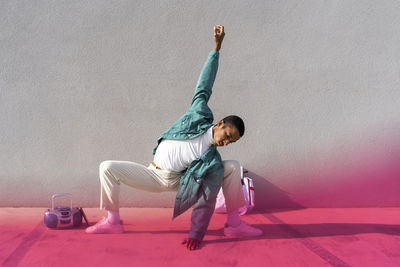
(269, 196)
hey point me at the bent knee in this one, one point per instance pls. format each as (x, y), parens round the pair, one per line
(105, 166)
(230, 165)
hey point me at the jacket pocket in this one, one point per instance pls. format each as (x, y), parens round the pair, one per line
(185, 122)
(188, 193)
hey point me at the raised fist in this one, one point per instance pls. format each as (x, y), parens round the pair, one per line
(219, 34)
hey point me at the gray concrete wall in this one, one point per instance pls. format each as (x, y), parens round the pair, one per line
(317, 83)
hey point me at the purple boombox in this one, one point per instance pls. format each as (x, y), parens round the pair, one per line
(63, 216)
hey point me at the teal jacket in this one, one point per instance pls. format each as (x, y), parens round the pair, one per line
(202, 180)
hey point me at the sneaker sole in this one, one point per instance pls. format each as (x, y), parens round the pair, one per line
(108, 232)
(116, 231)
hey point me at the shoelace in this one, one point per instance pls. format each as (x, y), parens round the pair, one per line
(103, 220)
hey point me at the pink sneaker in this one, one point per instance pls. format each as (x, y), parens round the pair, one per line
(243, 230)
(104, 227)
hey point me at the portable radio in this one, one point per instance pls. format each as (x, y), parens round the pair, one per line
(63, 216)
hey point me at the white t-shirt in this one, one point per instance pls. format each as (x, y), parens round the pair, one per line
(176, 155)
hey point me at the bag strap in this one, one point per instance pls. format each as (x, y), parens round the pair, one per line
(84, 215)
(242, 172)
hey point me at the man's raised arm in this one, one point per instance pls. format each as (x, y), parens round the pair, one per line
(208, 73)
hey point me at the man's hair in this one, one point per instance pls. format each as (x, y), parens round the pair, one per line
(235, 121)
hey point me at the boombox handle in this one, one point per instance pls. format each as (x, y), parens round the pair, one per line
(61, 195)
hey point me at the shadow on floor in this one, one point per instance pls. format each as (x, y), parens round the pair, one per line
(282, 231)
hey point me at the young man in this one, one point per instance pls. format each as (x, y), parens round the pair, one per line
(186, 160)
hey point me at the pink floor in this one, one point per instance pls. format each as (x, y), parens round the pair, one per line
(303, 237)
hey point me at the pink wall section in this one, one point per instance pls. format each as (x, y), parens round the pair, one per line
(365, 172)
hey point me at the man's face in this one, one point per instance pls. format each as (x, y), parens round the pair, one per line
(224, 134)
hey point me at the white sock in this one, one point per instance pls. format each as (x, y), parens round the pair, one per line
(113, 217)
(233, 219)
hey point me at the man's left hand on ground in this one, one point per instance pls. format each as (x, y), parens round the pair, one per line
(191, 243)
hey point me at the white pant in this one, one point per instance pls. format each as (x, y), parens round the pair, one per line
(138, 176)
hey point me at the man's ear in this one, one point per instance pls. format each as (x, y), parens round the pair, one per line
(220, 123)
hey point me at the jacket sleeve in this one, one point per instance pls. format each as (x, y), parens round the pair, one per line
(204, 208)
(206, 80)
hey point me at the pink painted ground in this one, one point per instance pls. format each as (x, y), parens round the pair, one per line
(302, 237)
